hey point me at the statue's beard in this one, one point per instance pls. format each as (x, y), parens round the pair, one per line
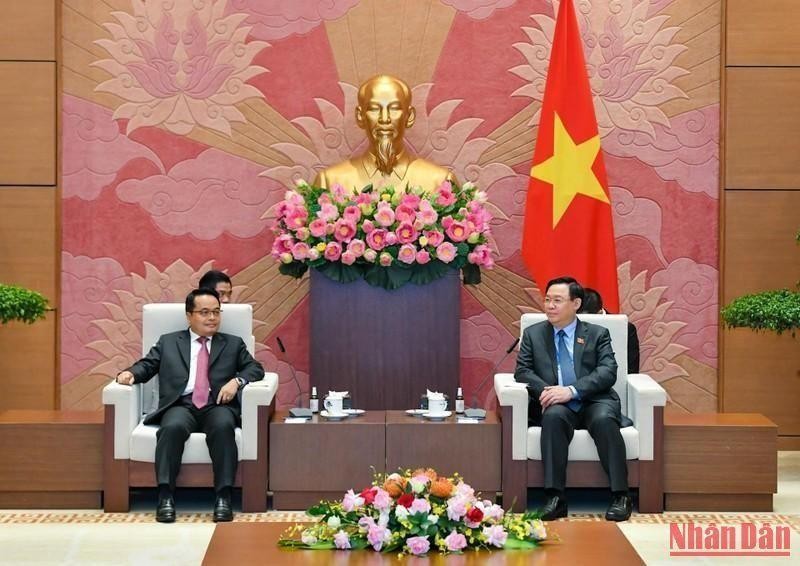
(385, 154)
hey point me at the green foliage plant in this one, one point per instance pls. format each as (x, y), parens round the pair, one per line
(20, 304)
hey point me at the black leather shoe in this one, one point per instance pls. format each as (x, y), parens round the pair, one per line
(223, 512)
(165, 512)
(555, 508)
(620, 508)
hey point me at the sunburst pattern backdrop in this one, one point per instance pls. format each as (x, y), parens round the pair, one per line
(184, 120)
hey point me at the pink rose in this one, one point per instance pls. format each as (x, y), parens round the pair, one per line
(457, 231)
(296, 218)
(444, 194)
(344, 230)
(386, 259)
(329, 228)
(407, 253)
(455, 541)
(465, 490)
(328, 212)
(339, 193)
(352, 213)
(367, 226)
(351, 501)
(370, 255)
(418, 545)
(364, 198)
(423, 257)
(377, 536)
(495, 535)
(445, 252)
(404, 213)
(341, 540)
(391, 238)
(348, 258)
(410, 200)
(426, 214)
(481, 255)
(293, 198)
(376, 239)
(333, 251)
(385, 215)
(300, 251)
(317, 227)
(420, 505)
(456, 508)
(406, 233)
(447, 221)
(357, 247)
(313, 254)
(282, 244)
(302, 233)
(382, 501)
(324, 198)
(435, 237)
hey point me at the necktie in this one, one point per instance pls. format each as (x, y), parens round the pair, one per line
(567, 368)
(200, 393)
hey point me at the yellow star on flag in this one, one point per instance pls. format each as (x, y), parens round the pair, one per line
(569, 170)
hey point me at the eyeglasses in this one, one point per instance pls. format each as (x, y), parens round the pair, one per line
(557, 301)
(205, 313)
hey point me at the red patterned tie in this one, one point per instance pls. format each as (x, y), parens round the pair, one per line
(200, 393)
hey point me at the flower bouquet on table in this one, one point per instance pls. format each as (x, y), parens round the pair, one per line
(386, 236)
(415, 513)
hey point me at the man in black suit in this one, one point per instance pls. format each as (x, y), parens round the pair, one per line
(593, 304)
(200, 372)
(570, 369)
(220, 282)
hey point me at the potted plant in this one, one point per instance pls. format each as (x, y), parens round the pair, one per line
(24, 305)
(777, 311)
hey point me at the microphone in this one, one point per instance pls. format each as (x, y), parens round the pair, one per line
(291, 367)
(481, 413)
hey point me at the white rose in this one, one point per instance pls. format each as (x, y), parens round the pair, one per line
(308, 538)
(417, 487)
(334, 522)
(433, 519)
(401, 512)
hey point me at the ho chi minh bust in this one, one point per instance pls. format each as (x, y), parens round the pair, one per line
(384, 112)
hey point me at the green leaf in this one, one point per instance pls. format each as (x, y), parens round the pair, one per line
(340, 272)
(515, 543)
(778, 311)
(428, 273)
(389, 278)
(24, 305)
(295, 269)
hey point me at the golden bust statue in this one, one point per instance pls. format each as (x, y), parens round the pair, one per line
(384, 112)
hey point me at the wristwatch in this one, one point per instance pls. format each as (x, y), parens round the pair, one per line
(241, 381)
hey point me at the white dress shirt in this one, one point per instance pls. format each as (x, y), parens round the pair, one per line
(194, 350)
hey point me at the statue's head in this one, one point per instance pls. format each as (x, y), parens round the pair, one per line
(384, 112)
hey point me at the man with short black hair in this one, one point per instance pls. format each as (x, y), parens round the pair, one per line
(593, 303)
(570, 370)
(200, 371)
(220, 282)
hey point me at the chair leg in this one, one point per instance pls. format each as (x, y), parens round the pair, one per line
(651, 473)
(255, 472)
(513, 472)
(116, 497)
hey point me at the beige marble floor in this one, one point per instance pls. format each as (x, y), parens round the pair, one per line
(88, 538)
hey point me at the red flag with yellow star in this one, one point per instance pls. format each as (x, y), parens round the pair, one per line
(568, 228)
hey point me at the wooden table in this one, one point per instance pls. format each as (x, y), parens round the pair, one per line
(472, 450)
(595, 543)
(323, 459)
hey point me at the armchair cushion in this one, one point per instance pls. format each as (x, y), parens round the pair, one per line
(195, 451)
(582, 447)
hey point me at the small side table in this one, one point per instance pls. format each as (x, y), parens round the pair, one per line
(322, 459)
(472, 450)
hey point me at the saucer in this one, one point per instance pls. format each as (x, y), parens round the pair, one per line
(416, 412)
(354, 412)
(437, 416)
(333, 417)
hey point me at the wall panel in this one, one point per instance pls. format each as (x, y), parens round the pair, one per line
(28, 254)
(28, 368)
(28, 30)
(760, 249)
(762, 128)
(763, 33)
(28, 115)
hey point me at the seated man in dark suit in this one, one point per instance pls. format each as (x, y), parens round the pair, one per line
(200, 371)
(593, 304)
(220, 282)
(570, 369)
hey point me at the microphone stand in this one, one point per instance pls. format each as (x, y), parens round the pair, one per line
(475, 412)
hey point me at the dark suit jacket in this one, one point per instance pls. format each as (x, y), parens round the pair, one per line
(169, 358)
(595, 365)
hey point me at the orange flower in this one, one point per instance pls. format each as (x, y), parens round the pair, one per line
(442, 487)
(430, 472)
(395, 484)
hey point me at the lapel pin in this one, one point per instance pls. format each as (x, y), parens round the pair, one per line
(581, 340)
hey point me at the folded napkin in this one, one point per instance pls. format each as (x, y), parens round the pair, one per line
(434, 395)
(338, 394)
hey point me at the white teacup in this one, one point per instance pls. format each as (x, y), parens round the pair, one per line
(334, 405)
(437, 405)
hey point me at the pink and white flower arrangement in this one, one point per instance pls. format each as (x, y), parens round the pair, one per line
(411, 233)
(415, 513)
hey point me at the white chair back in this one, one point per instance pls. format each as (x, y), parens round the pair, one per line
(163, 318)
(617, 325)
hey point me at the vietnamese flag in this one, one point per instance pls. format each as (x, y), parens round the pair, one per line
(568, 228)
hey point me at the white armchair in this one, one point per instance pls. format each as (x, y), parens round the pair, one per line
(129, 447)
(642, 401)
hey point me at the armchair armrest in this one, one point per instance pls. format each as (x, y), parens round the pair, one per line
(125, 399)
(254, 395)
(513, 394)
(644, 393)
